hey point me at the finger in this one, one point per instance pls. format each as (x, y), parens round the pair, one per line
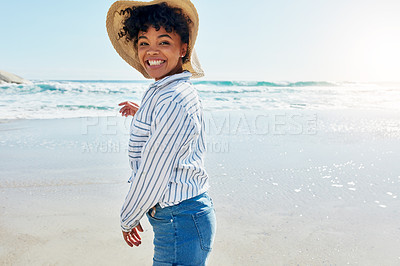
(135, 233)
(124, 111)
(123, 103)
(130, 240)
(133, 104)
(127, 240)
(139, 227)
(134, 241)
(125, 108)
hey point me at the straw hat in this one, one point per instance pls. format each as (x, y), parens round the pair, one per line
(126, 48)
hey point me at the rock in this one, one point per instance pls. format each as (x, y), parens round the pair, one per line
(6, 77)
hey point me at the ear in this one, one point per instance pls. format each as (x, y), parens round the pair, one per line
(184, 49)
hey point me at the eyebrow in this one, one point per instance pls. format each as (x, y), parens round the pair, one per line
(160, 36)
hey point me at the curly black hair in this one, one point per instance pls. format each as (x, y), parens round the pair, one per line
(161, 15)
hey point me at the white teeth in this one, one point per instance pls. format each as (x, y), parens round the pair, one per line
(155, 62)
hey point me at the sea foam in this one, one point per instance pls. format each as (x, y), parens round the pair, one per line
(63, 99)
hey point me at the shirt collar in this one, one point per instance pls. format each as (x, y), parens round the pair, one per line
(185, 75)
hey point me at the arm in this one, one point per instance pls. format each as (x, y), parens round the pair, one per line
(170, 130)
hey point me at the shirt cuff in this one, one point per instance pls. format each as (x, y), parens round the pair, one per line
(128, 229)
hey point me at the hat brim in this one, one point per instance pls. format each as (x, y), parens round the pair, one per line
(126, 49)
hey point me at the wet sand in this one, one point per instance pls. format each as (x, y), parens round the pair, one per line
(290, 188)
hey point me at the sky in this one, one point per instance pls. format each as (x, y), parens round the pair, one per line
(264, 40)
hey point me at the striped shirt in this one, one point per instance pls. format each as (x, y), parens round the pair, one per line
(166, 149)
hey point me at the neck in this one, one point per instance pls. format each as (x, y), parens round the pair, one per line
(178, 69)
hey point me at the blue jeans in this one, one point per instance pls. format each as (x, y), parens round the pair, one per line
(183, 233)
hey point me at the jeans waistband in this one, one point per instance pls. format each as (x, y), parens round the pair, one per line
(185, 204)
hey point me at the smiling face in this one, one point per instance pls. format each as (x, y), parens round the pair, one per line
(160, 52)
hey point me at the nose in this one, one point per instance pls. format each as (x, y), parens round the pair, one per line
(152, 51)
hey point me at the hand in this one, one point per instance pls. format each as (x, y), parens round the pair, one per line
(132, 237)
(130, 108)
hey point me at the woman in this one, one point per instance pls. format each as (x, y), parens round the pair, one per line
(167, 143)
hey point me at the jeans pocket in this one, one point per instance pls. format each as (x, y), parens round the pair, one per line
(157, 219)
(206, 226)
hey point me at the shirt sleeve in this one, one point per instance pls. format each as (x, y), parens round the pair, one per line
(171, 130)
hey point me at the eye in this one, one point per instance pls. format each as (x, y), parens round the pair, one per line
(164, 43)
(143, 44)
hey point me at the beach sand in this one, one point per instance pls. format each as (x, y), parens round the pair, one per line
(290, 188)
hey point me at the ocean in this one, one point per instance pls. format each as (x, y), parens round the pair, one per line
(86, 98)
